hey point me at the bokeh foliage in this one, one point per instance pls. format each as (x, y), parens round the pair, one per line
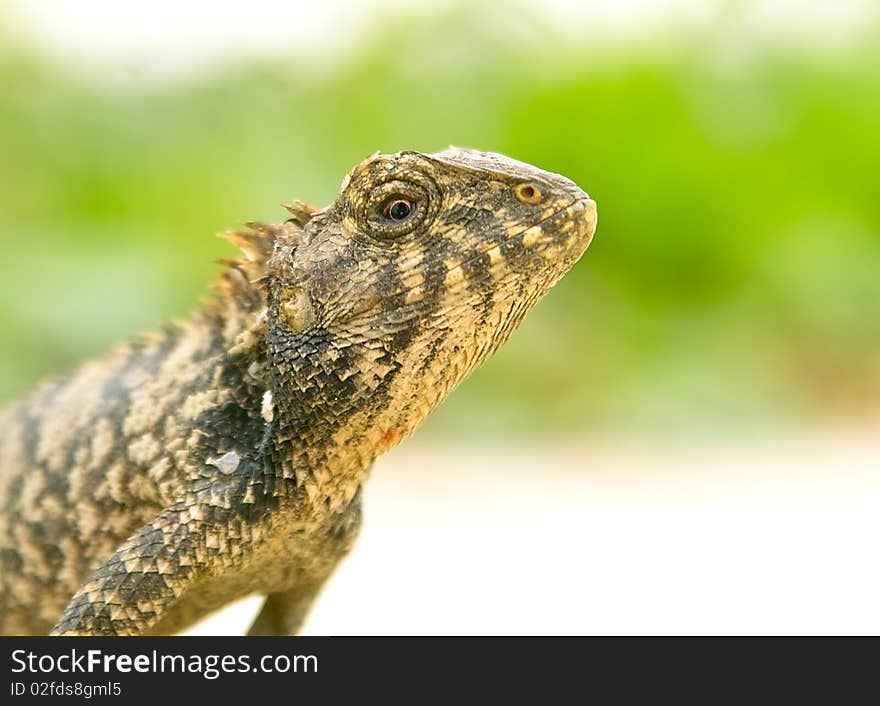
(734, 281)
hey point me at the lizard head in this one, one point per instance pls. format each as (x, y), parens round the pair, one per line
(420, 269)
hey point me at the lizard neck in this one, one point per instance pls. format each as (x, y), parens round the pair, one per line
(321, 414)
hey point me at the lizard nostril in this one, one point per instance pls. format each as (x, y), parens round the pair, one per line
(528, 193)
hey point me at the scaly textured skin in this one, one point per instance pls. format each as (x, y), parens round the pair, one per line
(225, 456)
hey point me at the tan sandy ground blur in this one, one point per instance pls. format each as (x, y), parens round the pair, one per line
(760, 536)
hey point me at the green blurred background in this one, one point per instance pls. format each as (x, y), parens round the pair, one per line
(732, 286)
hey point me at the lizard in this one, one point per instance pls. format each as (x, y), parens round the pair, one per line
(225, 455)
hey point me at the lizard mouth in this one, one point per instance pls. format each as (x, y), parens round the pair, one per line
(573, 227)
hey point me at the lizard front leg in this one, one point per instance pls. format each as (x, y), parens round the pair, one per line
(145, 577)
(284, 612)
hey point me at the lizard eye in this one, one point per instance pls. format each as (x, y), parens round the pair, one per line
(397, 209)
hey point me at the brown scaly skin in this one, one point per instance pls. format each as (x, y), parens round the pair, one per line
(225, 456)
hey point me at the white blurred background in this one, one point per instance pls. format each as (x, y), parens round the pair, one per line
(173, 38)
